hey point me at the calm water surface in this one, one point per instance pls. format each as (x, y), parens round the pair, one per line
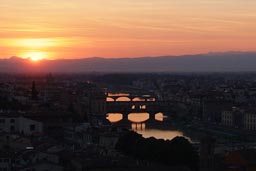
(138, 124)
(138, 120)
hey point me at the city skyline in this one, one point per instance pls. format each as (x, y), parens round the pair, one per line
(128, 85)
(78, 29)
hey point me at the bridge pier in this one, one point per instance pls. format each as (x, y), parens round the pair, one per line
(125, 117)
(138, 126)
(151, 117)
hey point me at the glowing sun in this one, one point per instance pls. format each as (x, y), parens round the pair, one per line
(36, 56)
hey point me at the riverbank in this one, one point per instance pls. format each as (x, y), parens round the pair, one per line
(197, 130)
(194, 130)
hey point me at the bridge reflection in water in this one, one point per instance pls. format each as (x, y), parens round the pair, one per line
(136, 112)
(161, 134)
(138, 124)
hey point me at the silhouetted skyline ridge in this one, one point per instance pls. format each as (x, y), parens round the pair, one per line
(210, 62)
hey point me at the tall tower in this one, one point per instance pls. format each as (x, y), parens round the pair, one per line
(34, 92)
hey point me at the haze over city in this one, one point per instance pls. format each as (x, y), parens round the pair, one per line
(111, 28)
(128, 85)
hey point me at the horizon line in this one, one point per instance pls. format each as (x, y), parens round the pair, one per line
(136, 57)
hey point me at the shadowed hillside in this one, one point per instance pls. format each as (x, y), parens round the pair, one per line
(219, 62)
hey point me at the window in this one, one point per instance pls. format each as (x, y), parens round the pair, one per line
(32, 127)
(12, 128)
(12, 121)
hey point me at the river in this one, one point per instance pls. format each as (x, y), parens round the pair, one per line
(138, 120)
(138, 124)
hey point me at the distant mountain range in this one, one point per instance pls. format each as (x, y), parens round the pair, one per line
(211, 62)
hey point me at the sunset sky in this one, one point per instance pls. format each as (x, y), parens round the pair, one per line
(55, 29)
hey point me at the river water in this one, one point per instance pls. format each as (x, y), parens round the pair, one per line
(139, 124)
(138, 120)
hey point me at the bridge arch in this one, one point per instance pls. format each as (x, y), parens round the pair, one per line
(115, 117)
(110, 99)
(138, 99)
(123, 99)
(151, 99)
(138, 117)
(159, 116)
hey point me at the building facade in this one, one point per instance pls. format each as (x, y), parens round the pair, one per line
(19, 124)
(250, 121)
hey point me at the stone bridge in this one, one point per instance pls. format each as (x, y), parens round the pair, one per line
(131, 98)
(151, 107)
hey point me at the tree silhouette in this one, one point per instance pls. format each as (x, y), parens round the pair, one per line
(177, 152)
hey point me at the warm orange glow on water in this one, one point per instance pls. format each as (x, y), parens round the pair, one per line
(139, 125)
(159, 134)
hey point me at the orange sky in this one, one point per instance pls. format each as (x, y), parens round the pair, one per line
(125, 28)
